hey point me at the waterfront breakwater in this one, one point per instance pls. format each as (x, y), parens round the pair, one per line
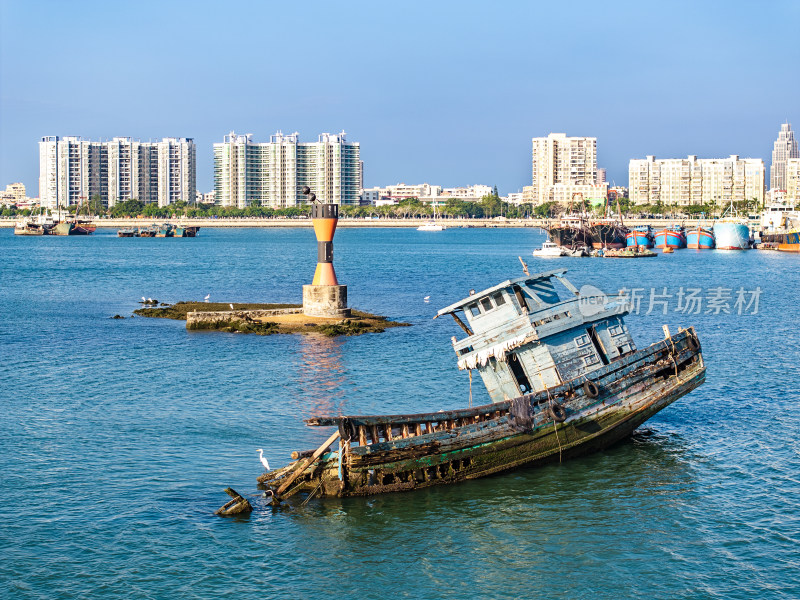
(214, 319)
(265, 319)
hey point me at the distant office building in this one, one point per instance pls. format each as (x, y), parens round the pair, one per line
(563, 167)
(274, 173)
(687, 181)
(514, 198)
(792, 195)
(74, 170)
(784, 148)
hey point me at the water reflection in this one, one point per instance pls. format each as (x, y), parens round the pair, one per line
(638, 498)
(321, 376)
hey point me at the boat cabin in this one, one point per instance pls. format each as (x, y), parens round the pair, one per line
(538, 331)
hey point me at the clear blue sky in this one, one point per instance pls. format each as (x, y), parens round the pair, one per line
(440, 92)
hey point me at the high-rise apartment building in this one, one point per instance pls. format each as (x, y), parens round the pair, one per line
(274, 173)
(687, 181)
(72, 170)
(563, 166)
(792, 195)
(784, 148)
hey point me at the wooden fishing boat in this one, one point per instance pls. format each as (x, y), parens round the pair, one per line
(564, 376)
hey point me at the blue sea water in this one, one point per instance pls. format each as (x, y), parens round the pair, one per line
(117, 436)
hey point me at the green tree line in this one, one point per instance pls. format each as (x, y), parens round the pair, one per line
(488, 207)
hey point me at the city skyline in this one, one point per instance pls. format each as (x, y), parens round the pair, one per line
(456, 101)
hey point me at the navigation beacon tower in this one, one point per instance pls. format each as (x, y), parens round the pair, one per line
(324, 297)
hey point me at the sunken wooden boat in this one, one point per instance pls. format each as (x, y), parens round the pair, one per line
(564, 376)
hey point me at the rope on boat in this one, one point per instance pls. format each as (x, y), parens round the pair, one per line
(311, 495)
(555, 428)
(558, 440)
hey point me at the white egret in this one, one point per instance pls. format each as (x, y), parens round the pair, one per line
(262, 459)
(427, 298)
(207, 297)
(231, 305)
(144, 299)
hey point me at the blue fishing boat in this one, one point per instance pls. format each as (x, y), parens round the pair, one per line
(564, 377)
(165, 230)
(672, 237)
(640, 236)
(700, 238)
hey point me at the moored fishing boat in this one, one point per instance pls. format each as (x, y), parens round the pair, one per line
(732, 233)
(40, 224)
(572, 231)
(608, 233)
(71, 226)
(700, 238)
(672, 237)
(640, 236)
(63, 228)
(28, 227)
(165, 230)
(564, 377)
(128, 232)
(786, 238)
(84, 227)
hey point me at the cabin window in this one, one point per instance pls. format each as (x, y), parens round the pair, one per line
(487, 304)
(590, 360)
(615, 330)
(498, 298)
(582, 340)
(474, 310)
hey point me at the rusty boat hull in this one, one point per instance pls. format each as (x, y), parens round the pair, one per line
(377, 454)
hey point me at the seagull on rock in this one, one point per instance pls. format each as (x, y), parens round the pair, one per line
(262, 459)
